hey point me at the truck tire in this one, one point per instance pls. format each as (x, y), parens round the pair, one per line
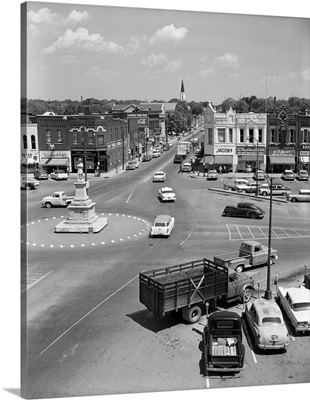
(239, 268)
(192, 314)
(48, 205)
(247, 294)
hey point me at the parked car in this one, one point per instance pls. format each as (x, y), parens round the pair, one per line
(178, 159)
(248, 210)
(212, 175)
(162, 226)
(302, 175)
(159, 176)
(59, 174)
(156, 153)
(232, 185)
(186, 167)
(295, 303)
(29, 185)
(166, 194)
(40, 174)
(146, 157)
(277, 190)
(266, 324)
(303, 195)
(259, 176)
(132, 164)
(249, 187)
(288, 175)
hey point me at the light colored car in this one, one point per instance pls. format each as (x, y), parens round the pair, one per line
(186, 167)
(266, 323)
(303, 195)
(159, 176)
(259, 176)
(162, 226)
(156, 153)
(59, 174)
(296, 305)
(166, 194)
(212, 175)
(302, 175)
(249, 187)
(232, 185)
(288, 175)
(132, 164)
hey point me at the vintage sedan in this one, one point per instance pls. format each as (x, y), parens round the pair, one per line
(40, 174)
(59, 174)
(162, 226)
(166, 194)
(212, 175)
(259, 176)
(132, 164)
(227, 185)
(249, 187)
(156, 153)
(302, 175)
(247, 210)
(29, 185)
(295, 303)
(288, 175)
(303, 195)
(186, 167)
(159, 176)
(266, 324)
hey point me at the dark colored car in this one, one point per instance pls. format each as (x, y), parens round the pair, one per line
(40, 174)
(30, 185)
(247, 210)
(178, 159)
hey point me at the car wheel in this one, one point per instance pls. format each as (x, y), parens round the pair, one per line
(243, 191)
(264, 193)
(228, 214)
(229, 188)
(239, 268)
(48, 205)
(247, 294)
(28, 187)
(294, 200)
(252, 216)
(192, 314)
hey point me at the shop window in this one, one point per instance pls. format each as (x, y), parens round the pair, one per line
(241, 135)
(48, 136)
(59, 136)
(260, 136)
(33, 142)
(25, 144)
(221, 135)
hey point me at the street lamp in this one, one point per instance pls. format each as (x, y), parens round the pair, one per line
(256, 189)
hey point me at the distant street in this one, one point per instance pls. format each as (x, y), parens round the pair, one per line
(87, 331)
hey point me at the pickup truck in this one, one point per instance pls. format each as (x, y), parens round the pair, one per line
(187, 287)
(58, 199)
(251, 254)
(303, 195)
(222, 343)
(277, 190)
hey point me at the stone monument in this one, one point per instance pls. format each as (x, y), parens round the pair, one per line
(82, 216)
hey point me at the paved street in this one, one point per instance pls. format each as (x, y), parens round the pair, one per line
(82, 292)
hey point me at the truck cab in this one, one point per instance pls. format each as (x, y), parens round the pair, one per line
(58, 199)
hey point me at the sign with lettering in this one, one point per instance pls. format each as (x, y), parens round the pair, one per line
(304, 153)
(225, 150)
(250, 150)
(54, 154)
(282, 152)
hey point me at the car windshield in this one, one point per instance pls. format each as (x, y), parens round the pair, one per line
(301, 306)
(160, 224)
(167, 191)
(271, 321)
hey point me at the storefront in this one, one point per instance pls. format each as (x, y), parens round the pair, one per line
(281, 159)
(303, 158)
(224, 158)
(250, 156)
(51, 160)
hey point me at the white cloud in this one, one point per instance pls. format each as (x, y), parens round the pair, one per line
(174, 66)
(227, 60)
(81, 39)
(75, 17)
(205, 73)
(169, 34)
(43, 16)
(154, 60)
(306, 74)
(98, 73)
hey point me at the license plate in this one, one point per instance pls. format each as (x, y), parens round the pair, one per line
(274, 338)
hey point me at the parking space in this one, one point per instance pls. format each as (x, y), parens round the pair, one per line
(246, 232)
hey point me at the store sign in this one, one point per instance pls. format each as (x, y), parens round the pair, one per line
(305, 146)
(225, 150)
(303, 153)
(54, 154)
(282, 152)
(250, 150)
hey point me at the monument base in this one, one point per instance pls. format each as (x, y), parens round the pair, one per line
(82, 216)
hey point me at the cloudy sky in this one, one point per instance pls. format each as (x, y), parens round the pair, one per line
(77, 50)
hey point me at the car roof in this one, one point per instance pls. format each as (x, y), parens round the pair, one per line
(245, 203)
(166, 188)
(162, 218)
(251, 242)
(267, 307)
(299, 294)
(159, 172)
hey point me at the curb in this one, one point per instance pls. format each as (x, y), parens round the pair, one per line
(248, 195)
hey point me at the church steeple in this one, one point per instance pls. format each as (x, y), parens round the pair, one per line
(182, 94)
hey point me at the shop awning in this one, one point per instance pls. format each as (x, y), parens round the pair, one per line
(304, 159)
(224, 160)
(56, 161)
(252, 157)
(282, 159)
(209, 160)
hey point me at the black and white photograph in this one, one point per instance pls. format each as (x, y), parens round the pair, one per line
(162, 217)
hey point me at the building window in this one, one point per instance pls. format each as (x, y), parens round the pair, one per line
(291, 136)
(59, 136)
(90, 137)
(305, 136)
(33, 142)
(48, 136)
(230, 135)
(221, 135)
(100, 139)
(75, 137)
(251, 135)
(260, 136)
(272, 135)
(210, 136)
(25, 145)
(241, 135)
